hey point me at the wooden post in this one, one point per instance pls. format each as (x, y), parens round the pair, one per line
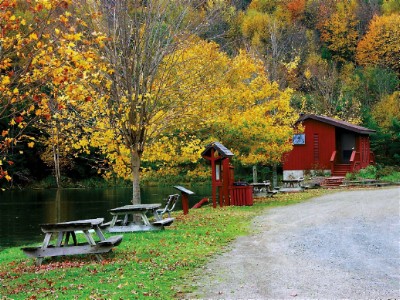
(255, 179)
(213, 179)
(185, 203)
(185, 198)
(226, 180)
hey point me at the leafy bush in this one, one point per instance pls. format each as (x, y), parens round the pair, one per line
(386, 173)
(394, 177)
(369, 172)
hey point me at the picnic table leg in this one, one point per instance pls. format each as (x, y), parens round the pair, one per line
(114, 220)
(145, 219)
(99, 233)
(91, 242)
(46, 242)
(125, 219)
(156, 215)
(60, 239)
(70, 233)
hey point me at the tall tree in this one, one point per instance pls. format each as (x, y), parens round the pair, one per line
(47, 73)
(142, 35)
(274, 38)
(380, 45)
(23, 36)
(339, 31)
(243, 110)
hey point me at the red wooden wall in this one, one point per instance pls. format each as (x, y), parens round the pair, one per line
(317, 150)
(364, 150)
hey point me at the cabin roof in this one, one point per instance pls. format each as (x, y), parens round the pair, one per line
(336, 123)
(222, 150)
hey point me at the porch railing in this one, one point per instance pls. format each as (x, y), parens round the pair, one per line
(355, 161)
(333, 161)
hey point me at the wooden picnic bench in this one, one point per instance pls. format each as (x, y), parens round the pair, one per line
(292, 185)
(131, 218)
(263, 187)
(66, 231)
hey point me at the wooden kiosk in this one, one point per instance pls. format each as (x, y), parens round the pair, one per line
(221, 172)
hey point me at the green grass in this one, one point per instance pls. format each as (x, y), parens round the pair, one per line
(148, 265)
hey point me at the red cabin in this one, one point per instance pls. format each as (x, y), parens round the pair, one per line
(330, 145)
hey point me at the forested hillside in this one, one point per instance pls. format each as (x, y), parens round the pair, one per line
(137, 89)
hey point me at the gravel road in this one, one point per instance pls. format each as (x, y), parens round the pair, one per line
(339, 246)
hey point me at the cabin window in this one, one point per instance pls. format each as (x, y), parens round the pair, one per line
(299, 139)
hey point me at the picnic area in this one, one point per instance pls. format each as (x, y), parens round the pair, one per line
(155, 264)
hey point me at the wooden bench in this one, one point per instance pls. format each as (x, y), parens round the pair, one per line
(169, 206)
(164, 222)
(111, 241)
(66, 230)
(262, 188)
(132, 218)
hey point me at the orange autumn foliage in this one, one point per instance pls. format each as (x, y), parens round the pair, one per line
(380, 45)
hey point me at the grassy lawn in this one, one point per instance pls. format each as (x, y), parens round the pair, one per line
(148, 265)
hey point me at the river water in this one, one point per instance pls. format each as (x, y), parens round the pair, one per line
(21, 212)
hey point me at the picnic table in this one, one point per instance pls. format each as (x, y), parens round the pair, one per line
(66, 231)
(292, 182)
(130, 218)
(262, 187)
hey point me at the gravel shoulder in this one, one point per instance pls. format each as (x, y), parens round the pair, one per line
(339, 246)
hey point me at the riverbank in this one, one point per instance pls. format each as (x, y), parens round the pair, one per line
(150, 264)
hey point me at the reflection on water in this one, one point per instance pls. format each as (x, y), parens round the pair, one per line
(21, 212)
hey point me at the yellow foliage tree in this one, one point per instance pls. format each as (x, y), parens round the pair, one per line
(339, 31)
(22, 35)
(142, 38)
(387, 110)
(236, 105)
(47, 75)
(380, 45)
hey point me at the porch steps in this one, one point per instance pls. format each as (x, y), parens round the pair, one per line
(341, 170)
(333, 181)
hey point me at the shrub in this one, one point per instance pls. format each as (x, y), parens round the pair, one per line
(369, 172)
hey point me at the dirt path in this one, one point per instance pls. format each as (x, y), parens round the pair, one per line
(342, 245)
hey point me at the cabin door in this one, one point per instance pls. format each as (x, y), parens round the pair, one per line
(347, 143)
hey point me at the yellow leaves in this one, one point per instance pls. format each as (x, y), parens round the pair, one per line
(340, 31)
(307, 74)
(5, 80)
(31, 144)
(380, 45)
(33, 36)
(387, 110)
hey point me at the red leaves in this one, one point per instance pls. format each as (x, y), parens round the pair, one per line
(18, 119)
(36, 98)
(64, 4)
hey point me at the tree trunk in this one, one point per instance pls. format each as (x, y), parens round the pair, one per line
(56, 157)
(274, 175)
(255, 179)
(135, 164)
